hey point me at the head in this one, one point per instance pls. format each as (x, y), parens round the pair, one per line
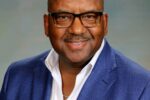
(76, 43)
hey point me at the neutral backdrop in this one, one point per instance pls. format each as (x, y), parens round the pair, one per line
(22, 32)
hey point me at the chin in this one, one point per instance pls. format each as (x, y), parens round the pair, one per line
(79, 60)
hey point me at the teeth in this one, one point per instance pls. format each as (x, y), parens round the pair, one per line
(77, 43)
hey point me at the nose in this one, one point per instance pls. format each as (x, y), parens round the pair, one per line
(77, 28)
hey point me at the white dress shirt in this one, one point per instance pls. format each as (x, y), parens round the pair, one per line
(52, 64)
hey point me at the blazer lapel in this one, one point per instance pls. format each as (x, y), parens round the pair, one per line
(42, 82)
(102, 77)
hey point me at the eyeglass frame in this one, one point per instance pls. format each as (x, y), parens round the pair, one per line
(52, 14)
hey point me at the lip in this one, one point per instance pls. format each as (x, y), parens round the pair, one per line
(76, 45)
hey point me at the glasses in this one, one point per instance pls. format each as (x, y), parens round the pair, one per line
(65, 19)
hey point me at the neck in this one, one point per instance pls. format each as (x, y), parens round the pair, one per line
(70, 69)
(68, 74)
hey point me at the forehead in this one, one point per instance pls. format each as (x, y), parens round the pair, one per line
(76, 6)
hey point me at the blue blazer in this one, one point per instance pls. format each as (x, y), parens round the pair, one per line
(114, 77)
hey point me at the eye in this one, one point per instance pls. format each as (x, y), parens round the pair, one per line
(63, 17)
(89, 16)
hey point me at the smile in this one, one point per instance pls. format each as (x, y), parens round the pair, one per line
(76, 45)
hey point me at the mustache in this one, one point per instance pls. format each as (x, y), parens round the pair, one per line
(76, 38)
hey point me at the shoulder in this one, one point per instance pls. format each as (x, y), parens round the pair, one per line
(27, 64)
(132, 78)
(125, 64)
(21, 73)
(127, 70)
(131, 74)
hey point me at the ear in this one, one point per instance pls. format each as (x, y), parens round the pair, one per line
(46, 24)
(105, 23)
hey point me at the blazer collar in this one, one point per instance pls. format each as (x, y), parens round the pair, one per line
(102, 76)
(42, 80)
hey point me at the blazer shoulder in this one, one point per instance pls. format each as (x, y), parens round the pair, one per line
(28, 63)
(132, 78)
(130, 71)
(21, 73)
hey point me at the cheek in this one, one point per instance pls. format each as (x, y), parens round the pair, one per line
(97, 33)
(55, 33)
(56, 37)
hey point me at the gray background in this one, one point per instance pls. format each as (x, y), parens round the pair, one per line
(22, 32)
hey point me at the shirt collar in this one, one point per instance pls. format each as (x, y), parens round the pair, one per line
(88, 68)
(51, 60)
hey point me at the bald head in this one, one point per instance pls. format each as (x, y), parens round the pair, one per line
(51, 2)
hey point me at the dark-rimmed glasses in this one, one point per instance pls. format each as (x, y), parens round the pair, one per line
(65, 19)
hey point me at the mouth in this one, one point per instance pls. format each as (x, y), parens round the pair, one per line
(76, 44)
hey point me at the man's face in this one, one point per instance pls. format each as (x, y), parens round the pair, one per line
(76, 43)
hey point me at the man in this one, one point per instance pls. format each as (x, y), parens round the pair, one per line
(81, 65)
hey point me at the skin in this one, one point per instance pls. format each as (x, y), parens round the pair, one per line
(76, 44)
